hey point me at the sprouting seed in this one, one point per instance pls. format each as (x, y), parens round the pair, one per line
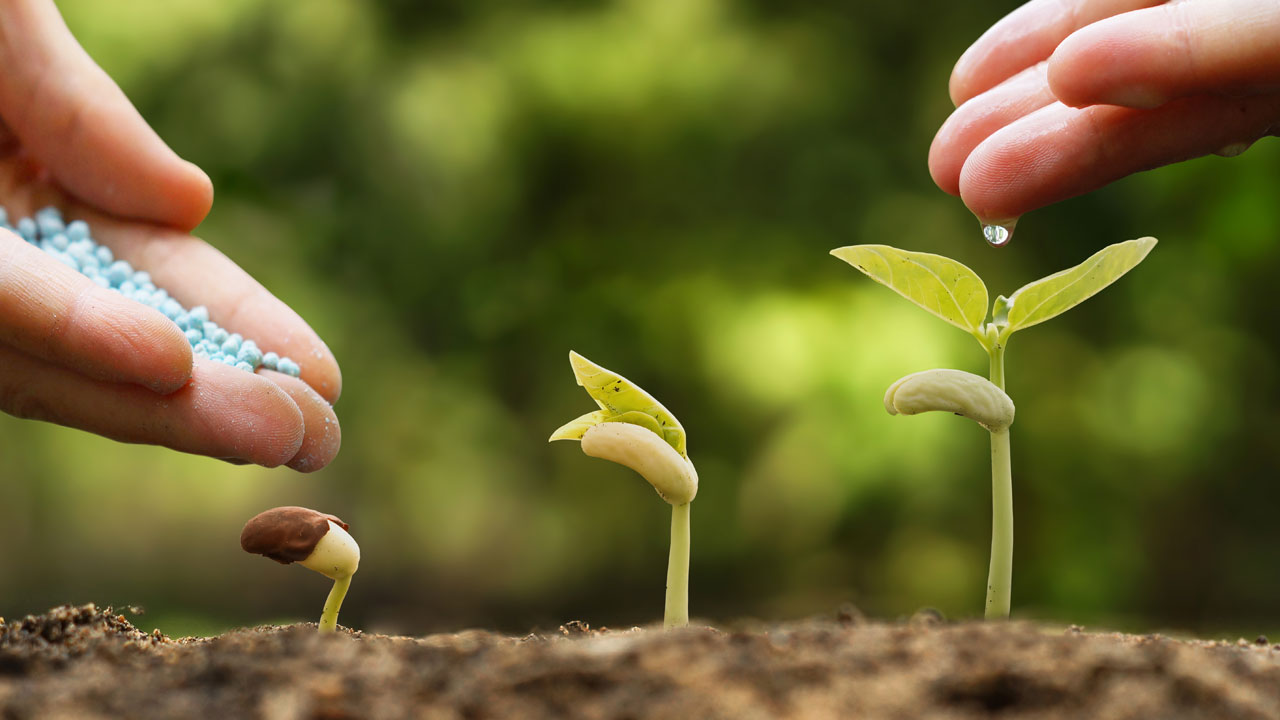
(312, 539)
(633, 429)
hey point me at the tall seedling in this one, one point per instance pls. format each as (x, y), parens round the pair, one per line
(956, 294)
(631, 428)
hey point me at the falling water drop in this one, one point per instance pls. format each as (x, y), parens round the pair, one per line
(998, 234)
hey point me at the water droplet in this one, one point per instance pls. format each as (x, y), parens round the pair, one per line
(998, 234)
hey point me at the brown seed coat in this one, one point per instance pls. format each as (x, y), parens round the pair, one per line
(286, 534)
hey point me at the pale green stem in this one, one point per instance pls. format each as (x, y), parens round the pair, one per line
(329, 618)
(1000, 577)
(677, 613)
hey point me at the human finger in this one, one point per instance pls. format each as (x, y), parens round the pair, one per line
(1059, 152)
(1148, 57)
(52, 312)
(77, 123)
(1025, 37)
(223, 412)
(323, 436)
(976, 119)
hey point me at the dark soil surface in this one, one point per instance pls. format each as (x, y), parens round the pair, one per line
(87, 664)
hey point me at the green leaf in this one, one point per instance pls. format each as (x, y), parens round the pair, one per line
(576, 428)
(635, 417)
(938, 284)
(1051, 296)
(620, 400)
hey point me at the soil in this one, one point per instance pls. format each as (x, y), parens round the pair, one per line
(87, 663)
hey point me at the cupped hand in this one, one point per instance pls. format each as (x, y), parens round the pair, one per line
(1065, 96)
(80, 355)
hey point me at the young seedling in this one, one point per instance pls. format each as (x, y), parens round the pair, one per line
(633, 429)
(956, 294)
(312, 539)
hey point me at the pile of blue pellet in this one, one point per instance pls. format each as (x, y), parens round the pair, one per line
(71, 244)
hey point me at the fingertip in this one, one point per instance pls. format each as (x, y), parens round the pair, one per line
(194, 199)
(258, 421)
(113, 338)
(322, 373)
(145, 347)
(981, 116)
(167, 363)
(944, 163)
(1064, 78)
(956, 89)
(1094, 66)
(961, 86)
(281, 446)
(181, 194)
(995, 176)
(323, 435)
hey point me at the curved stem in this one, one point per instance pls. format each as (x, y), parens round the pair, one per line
(329, 618)
(1000, 577)
(677, 612)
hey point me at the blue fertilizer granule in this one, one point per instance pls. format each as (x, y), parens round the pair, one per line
(73, 245)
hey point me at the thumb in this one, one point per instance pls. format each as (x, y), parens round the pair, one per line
(1146, 58)
(77, 123)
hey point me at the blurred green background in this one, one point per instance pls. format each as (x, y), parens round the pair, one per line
(456, 193)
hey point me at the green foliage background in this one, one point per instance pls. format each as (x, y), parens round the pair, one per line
(456, 193)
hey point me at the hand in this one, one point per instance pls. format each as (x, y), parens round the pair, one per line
(86, 357)
(1065, 96)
